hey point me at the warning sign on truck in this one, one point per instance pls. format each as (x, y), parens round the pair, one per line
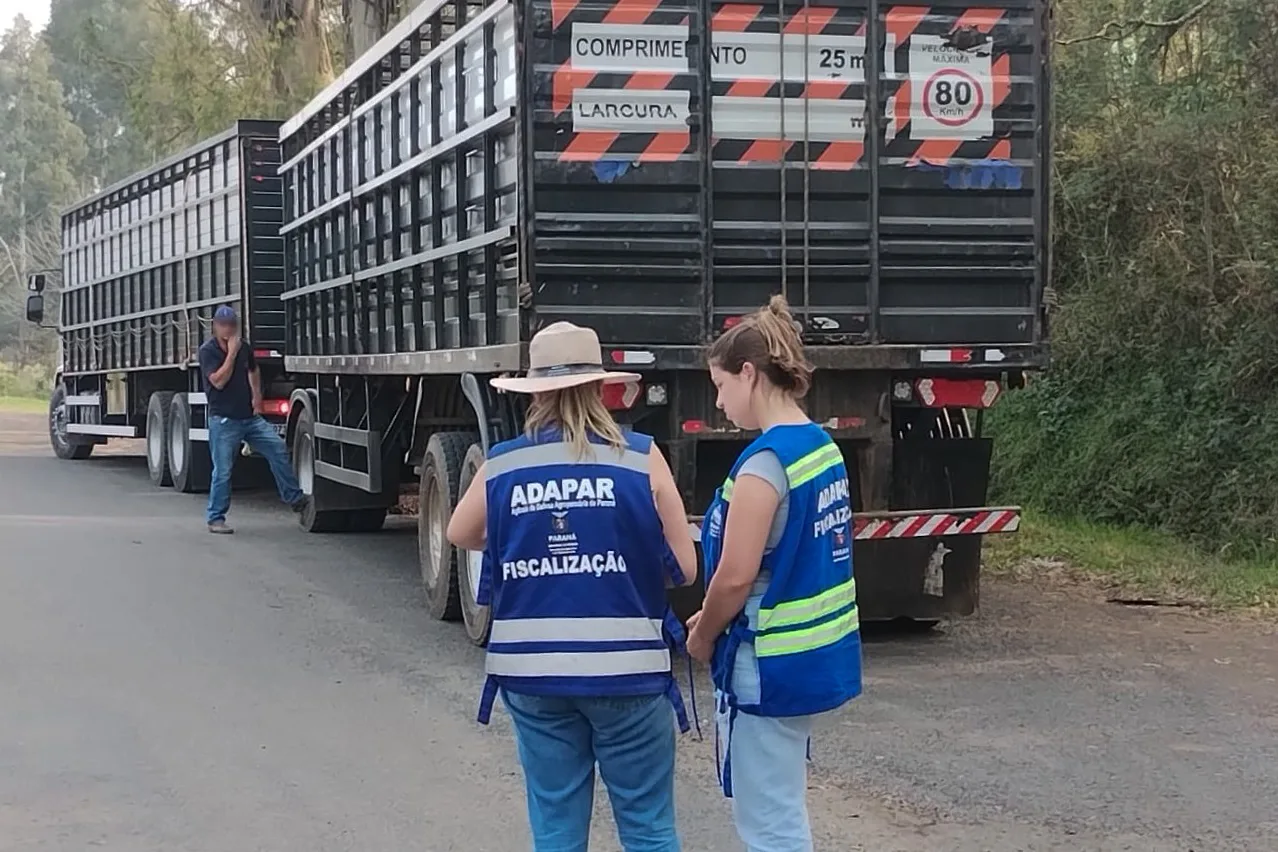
(760, 56)
(630, 110)
(630, 48)
(951, 91)
(794, 120)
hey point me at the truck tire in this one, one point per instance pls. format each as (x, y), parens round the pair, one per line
(65, 446)
(477, 618)
(438, 493)
(189, 461)
(315, 518)
(158, 416)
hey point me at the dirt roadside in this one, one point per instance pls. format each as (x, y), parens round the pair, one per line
(24, 434)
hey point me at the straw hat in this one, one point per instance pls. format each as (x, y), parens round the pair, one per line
(563, 355)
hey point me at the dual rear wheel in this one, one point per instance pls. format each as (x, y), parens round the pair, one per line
(450, 575)
(173, 458)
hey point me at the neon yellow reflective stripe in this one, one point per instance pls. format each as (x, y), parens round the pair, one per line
(813, 465)
(808, 639)
(727, 488)
(809, 609)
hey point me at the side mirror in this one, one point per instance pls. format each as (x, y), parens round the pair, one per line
(35, 308)
(36, 282)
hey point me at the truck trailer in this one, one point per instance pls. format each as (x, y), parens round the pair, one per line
(653, 169)
(656, 169)
(145, 262)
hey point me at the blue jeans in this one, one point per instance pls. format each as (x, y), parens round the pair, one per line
(769, 780)
(632, 740)
(769, 757)
(225, 436)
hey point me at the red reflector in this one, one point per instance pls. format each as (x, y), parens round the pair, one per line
(621, 396)
(692, 427)
(731, 321)
(276, 407)
(958, 393)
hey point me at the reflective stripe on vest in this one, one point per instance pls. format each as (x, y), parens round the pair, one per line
(578, 664)
(575, 630)
(816, 608)
(804, 470)
(808, 638)
(540, 455)
(598, 634)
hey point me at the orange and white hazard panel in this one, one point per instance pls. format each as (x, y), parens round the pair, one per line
(626, 80)
(788, 89)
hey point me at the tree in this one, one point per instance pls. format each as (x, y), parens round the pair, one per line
(214, 61)
(1161, 407)
(99, 48)
(41, 151)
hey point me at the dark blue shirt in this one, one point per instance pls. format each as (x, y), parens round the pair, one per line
(235, 399)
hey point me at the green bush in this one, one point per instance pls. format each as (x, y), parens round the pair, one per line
(1161, 406)
(27, 382)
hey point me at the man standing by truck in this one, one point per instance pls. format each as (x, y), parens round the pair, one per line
(233, 385)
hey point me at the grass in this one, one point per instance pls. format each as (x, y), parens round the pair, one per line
(23, 405)
(1138, 561)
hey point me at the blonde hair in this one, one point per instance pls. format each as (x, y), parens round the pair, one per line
(579, 412)
(769, 340)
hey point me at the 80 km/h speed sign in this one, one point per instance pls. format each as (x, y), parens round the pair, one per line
(952, 97)
(950, 91)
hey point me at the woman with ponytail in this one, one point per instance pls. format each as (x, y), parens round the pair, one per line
(779, 624)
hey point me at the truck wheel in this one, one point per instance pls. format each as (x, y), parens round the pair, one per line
(470, 563)
(65, 446)
(438, 492)
(189, 461)
(315, 518)
(158, 416)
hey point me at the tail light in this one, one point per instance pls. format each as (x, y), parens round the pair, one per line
(621, 396)
(957, 393)
(275, 407)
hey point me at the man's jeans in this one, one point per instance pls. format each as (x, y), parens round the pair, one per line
(225, 437)
(633, 741)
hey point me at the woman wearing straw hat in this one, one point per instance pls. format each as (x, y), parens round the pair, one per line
(583, 529)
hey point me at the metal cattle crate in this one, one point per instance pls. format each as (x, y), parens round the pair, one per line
(656, 168)
(146, 261)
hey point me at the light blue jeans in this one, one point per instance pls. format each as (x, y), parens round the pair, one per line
(225, 436)
(768, 759)
(632, 739)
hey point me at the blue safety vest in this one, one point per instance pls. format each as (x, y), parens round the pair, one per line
(576, 568)
(806, 635)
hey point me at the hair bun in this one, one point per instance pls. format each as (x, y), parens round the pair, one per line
(779, 307)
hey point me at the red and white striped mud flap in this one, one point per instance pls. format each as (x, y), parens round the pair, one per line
(877, 526)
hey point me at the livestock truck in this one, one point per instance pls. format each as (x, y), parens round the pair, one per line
(145, 262)
(656, 169)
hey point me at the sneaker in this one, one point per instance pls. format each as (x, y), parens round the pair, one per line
(220, 528)
(301, 505)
